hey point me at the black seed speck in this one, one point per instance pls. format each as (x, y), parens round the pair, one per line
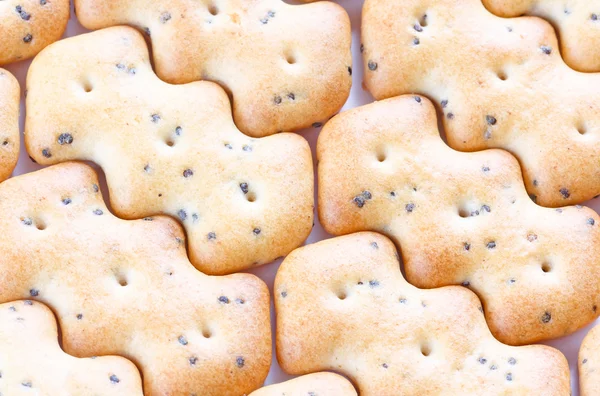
(65, 138)
(27, 39)
(223, 300)
(155, 118)
(98, 212)
(546, 49)
(372, 65)
(211, 236)
(467, 246)
(373, 283)
(512, 361)
(27, 221)
(584, 361)
(165, 17)
(284, 294)
(28, 302)
(393, 193)
(444, 103)
(402, 301)
(12, 309)
(594, 308)
(147, 168)
(384, 365)
(450, 116)
(34, 292)
(247, 148)
(482, 360)
(416, 41)
(148, 219)
(193, 360)
(317, 125)
(509, 377)
(147, 31)
(66, 201)
(178, 131)
(182, 340)
(493, 367)
(240, 361)
(374, 245)
(291, 96)
(486, 208)
(512, 281)
(188, 173)
(491, 120)
(594, 17)
(27, 384)
(256, 231)
(466, 283)
(79, 316)
(491, 245)
(244, 187)
(565, 193)
(485, 169)
(46, 153)
(418, 28)
(546, 317)
(591, 221)
(182, 214)
(277, 100)
(240, 301)
(417, 99)
(349, 70)
(362, 48)
(22, 13)
(409, 207)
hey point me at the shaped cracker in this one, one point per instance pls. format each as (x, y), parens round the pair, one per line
(322, 384)
(31, 361)
(9, 123)
(286, 66)
(342, 304)
(500, 83)
(577, 23)
(460, 218)
(170, 149)
(589, 364)
(126, 287)
(27, 26)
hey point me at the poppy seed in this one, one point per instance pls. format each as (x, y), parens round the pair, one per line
(240, 361)
(372, 65)
(223, 300)
(65, 138)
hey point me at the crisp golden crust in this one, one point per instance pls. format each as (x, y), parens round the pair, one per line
(286, 66)
(9, 123)
(342, 304)
(589, 364)
(126, 288)
(170, 149)
(27, 26)
(474, 64)
(317, 384)
(460, 218)
(32, 362)
(577, 23)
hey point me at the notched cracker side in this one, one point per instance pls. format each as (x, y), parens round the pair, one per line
(342, 304)
(460, 219)
(9, 123)
(589, 363)
(170, 149)
(285, 66)
(27, 26)
(499, 83)
(31, 360)
(126, 288)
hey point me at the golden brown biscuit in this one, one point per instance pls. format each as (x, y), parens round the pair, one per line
(170, 149)
(342, 304)
(127, 288)
(317, 384)
(9, 123)
(500, 83)
(27, 26)
(286, 66)
(31, 361)
(460, 218)
(576, 21)
(589, 364)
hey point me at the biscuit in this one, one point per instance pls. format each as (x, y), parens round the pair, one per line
(170, 150)
(31, 361)
(460, 218)
(500, 83)
(588, 364)
(342, 304)
(27, 26)
(322, 384)
(577, 23)
(9, 123)
(285, 66)
(126, 288)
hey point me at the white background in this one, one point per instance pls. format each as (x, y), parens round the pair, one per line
(568, 345)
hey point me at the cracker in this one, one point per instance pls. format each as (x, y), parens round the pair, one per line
(126, 288)
(460, 219)
(500, 83)
(27, 26)
(577, 23)
(31, 361)
(322, 384)
(589, 364)
(342, 304)
(170, 149)
(286, 66)
(9, 123)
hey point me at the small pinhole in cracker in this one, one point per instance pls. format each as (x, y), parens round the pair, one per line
(87, 86)
(581, 128)
(206, 333)
(341, 294)
(40, 225)
(464, 212)
(213, 9)
(122, 279)
(291, 58)
(170, 142)
(502, 75)
(425, 349)
(546, 267)
(251, 196)
(423, 20)
(381, 155)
